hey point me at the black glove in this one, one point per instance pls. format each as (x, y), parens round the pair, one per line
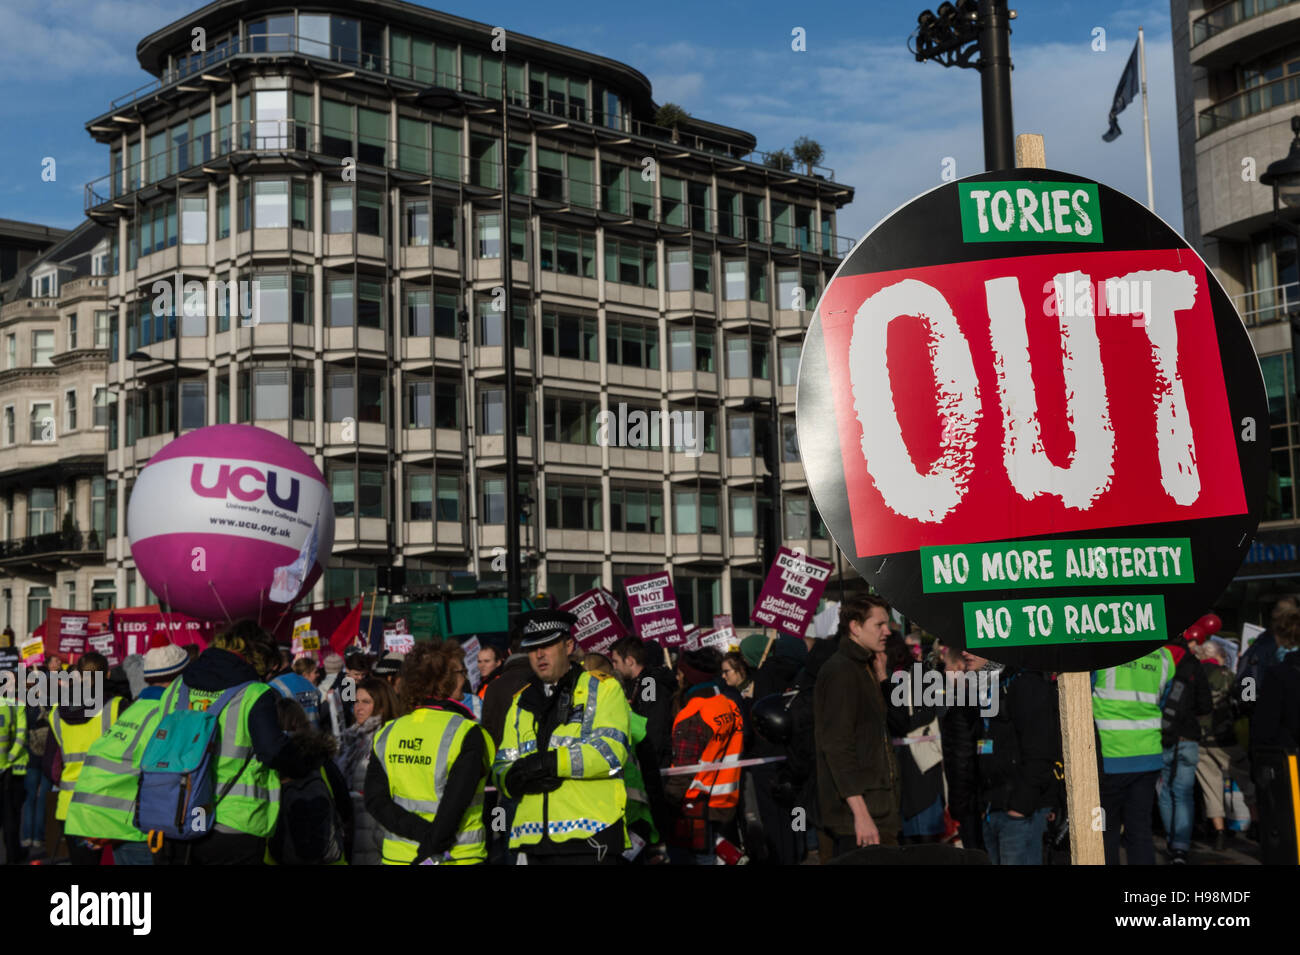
(535, 773)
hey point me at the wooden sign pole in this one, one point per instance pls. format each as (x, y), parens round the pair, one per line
(1074, 690)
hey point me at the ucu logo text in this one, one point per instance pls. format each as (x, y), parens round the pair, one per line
(246, 484)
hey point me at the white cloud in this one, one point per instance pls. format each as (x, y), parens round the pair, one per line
(56, 40)
(887, 122)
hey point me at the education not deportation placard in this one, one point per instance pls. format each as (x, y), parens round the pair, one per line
(653, 605)
(597, 627)
(791, 592)
(1033, 421)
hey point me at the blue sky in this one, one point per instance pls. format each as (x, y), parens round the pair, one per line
(887, 123)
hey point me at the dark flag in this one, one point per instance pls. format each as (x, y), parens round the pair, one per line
(1124, 94)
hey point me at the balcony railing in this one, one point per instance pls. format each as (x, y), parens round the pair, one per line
(58, 542)
(1229, 15)
(1258, 99)
(280, 43)
(1263, 306)
(276, 136)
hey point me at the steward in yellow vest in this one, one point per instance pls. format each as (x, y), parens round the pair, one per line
(425, 784)
(13, 773)
(563, 753)
(104, 800)
(253, 749)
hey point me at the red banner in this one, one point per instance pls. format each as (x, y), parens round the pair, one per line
(1068, 393)
(140, 628)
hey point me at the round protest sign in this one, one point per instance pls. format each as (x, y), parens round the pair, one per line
(1031, 418)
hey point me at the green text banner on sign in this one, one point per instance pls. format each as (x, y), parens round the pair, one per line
(1054, 620)
(1030, 212)
(1003, 565)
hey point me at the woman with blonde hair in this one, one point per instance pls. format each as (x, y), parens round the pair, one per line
(425, 785)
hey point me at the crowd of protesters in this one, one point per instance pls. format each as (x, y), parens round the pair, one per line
(780, 751)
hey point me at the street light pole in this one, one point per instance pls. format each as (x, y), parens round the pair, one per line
(513, 582)
(995, 84)
(952, 35)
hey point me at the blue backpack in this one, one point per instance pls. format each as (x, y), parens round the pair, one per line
(178, 773)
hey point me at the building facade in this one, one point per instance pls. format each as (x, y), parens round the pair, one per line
(339, 167)
(1237, 83)
(55, 326)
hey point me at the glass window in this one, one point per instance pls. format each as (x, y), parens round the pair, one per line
(446, 152)
(698, 195)
(419, 403)
(796, 518)
(449, 492)
(272, 299)
(737, 357)
(419, 496)
(370, 212)
(613, 188)
(787, 296)
(484, 161)
(703, 271)
(314, 34)
(223, 212)
(679, 270)
(336, 128)
(550, 175)
(70, 411)
(270, 393)
(789, 439)
(301, 210)
(42, 348)
(446, 321)
(194, 220)
(42, 421)
(343, 490)
(735, 286)
(685, 513)
(340, 395)
(339, 209)
(790, 352)
(415, 213)
(446, 404)
(704, 351)
(681, 356)
(341, 309)
(742, 515)
(271, 130)
(758, 360)
(194, 403)
(582, 182)
(271, 204)
(672, 200)
(101, 408)
(740, 442)
(418, 312)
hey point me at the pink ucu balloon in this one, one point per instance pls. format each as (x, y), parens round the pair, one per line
(230, 521)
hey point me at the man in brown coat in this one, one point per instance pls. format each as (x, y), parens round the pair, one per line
(857, 779)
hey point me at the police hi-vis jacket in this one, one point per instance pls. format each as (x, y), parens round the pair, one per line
(591, 746)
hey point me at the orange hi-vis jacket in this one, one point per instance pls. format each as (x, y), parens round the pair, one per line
(721, 786)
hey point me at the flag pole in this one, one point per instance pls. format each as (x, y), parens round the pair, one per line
(1146, 122)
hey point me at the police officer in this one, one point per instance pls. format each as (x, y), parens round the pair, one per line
(425, 785)
(563, 752)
